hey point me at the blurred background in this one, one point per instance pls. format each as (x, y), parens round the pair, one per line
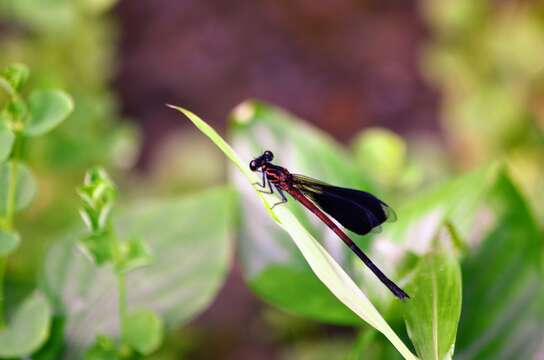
(462, 82)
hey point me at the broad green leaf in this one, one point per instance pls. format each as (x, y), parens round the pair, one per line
(48, 108)
(323, 265)
(25, 187)
(6, 141)
(28, 329)
(301, 294)
(9, 241)
(190, 241)
(143, 331)
(268, 255)
(503, 291)
(16, 75)
(433, 314)
(381, 153)
(135, 254)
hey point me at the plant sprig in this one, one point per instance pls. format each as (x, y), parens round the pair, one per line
(21, 118)
(140, 331)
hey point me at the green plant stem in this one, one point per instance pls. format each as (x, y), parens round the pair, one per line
(2, 301)
(10, 206)
(121, 282)
(122, 291)
(8, 221)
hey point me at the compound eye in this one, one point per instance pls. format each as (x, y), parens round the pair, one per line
(268, 156)
(253, 165)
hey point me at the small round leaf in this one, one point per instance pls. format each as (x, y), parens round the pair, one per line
(382, 153)
(48, 108)
(135, 254)
(6, 141)
(16, 75)
(143, 331)
(25, 186)
(8, 242)
(29, 328)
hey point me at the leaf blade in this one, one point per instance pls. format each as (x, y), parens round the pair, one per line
(25, 188)
(7, 138)
(143, 331)
(9, 241)
(29, 328)
(433, 314)
(48, 108)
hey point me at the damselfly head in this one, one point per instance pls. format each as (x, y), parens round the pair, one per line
(267, 156)
(253, 165)
(258, 162)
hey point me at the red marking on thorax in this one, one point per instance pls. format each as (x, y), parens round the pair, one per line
(279, 176)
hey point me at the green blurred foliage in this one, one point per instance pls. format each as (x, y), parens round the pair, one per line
(81, 62)
(22, 118)
(485, 57)
(191, 258)
(28, 329)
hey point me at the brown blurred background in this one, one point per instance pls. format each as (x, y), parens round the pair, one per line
(342, 65)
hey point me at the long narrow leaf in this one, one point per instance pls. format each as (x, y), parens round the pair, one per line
(323, 265)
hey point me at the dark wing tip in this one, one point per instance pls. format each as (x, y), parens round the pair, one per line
(390, 214)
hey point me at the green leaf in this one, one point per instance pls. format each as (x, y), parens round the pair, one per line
(103, 348)
(16, 110)
(16, 75)
(98, 193)
(191, 254)
(25, 187)
(48, 108)
(28, 329)
(433, 314)
(275, 258)
(381, 153)
(53, 347)
(324, 266)
(98, 246)
(7, 138)
(135, 254)
(503, 291)
(302, 294)
(9, 241)
(143, 331)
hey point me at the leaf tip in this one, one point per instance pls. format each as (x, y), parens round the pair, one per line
(184, 111)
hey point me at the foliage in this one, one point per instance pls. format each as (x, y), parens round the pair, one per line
(467, 208)
(483, 56)
(22, 118)
(140, 330)
(68, 45)
(467, 246)
(191, 257)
